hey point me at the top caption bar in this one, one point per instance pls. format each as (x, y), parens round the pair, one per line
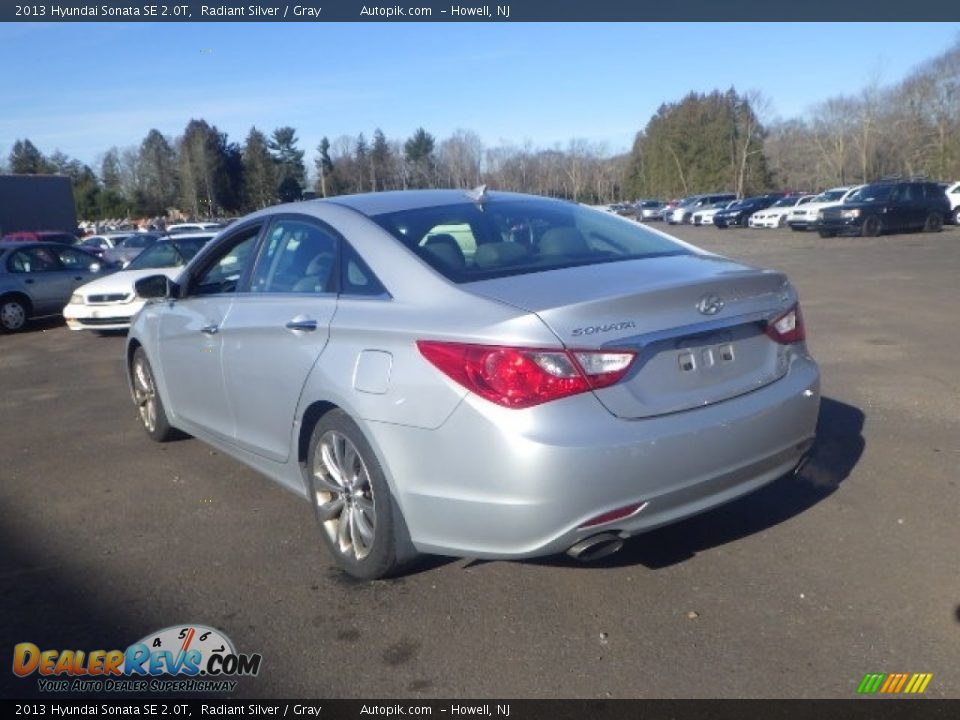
(859, 11)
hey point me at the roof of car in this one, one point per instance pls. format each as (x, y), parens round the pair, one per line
(398, 200)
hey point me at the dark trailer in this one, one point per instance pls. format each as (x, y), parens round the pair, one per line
(36, 202)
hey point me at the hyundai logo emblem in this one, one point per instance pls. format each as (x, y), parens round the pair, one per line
(710, 304)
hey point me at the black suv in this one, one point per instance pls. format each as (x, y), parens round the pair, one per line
(889, 206)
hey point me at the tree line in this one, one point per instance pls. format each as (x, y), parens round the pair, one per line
(723, 140)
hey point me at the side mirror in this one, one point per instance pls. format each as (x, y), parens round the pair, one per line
(155, 287)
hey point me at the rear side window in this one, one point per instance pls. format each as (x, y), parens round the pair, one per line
(468, 242)
(32, 260)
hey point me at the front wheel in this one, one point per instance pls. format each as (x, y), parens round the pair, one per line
(782, 221)
(956, 216)
(147, 399)
(13, 314)
(826, 233)
(871, 227)
(351, 499)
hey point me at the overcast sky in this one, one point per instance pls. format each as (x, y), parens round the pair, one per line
(82, 88)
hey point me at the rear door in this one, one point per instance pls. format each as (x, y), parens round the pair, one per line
(37, 271)
(276, 330)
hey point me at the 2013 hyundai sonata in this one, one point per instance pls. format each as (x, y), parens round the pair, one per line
(477, 374)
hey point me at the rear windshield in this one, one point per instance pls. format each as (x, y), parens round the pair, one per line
(466, 242)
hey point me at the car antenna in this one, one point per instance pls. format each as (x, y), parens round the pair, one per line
(478, 195)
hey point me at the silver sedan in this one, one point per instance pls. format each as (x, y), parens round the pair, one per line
(477, 374)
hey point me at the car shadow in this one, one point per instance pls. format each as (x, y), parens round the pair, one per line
(42, 324)
(839, 446)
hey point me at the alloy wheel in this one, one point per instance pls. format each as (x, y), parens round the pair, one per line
(343, 495)
(145, 395)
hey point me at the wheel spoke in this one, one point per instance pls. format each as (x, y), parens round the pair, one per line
(362, 527)
(343, 531)
(329, 510)
(328, 457)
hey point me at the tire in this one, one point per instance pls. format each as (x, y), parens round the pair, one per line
(357, 516)
(14, 313)
(153, 416)
(956, 216)
(797, 228)
(745, 222)
(826, 233)
(871, 226)
(782, 222)
(933, 223)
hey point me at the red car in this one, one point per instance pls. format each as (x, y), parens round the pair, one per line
(54, 236)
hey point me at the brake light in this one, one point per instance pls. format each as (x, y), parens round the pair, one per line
(523, 377)
(787, 328)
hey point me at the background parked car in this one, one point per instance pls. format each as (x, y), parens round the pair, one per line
(688, 205)
(804, 217)
(705, 216)
(178, 228)
(109, 302)
(99, 244)
(650, 209)
(953, 195)
(776, 215)
(54, 236)
(127, 249)
(887, 207)
(739, 212)
(38, 278)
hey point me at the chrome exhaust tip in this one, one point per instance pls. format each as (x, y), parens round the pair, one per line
(595, 547)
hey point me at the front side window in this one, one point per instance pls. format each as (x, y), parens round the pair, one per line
(75, 260)
(520, 236)
(297, 257)
(223, 269)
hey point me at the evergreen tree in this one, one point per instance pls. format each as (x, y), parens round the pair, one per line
(26, 159)
(259, 173)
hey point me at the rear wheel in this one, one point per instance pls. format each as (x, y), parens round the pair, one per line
(956, 216)
(933, 223)
(871, 227)
(147, 399)
(14, 312)
(351, 499)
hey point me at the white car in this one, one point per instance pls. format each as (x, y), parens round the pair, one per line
(705, 216)
(805, 216)
(179, 228)
(109, 303)
(776, 215)
(953, 195)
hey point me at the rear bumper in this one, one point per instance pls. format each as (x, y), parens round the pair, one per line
(499, 483)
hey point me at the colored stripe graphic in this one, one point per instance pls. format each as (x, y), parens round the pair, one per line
(894, 683)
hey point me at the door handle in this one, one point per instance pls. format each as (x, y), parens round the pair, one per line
(29, 281)
(210, 329)
(78, 277)
(304, 325)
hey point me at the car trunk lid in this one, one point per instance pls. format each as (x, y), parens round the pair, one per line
(696, 323)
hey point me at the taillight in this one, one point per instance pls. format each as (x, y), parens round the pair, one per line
(523, 377)
(787, 328)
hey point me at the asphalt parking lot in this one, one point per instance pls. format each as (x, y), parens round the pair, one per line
(795, 591)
